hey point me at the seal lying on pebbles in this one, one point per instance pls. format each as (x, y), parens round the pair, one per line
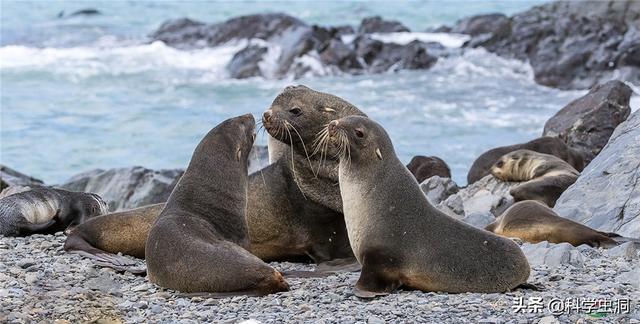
(126, 232)
(534, 222)
(399, 238)
(45, 210)
(425, 167)
(295, 209)
(546, 176)
(199, 242)
(548, 145)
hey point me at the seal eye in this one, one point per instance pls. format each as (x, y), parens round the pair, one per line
(499, 164)
(296, 111)
(359, 133)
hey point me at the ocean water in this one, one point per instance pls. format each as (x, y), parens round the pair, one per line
(91, 92)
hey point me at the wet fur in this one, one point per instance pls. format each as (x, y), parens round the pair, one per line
(425, 167)
(534, 222)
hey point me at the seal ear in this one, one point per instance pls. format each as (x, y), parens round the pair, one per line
(378, 153)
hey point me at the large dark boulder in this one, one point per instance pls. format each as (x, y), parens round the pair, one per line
(382, 57)
(378, 25)
(245, 64)
(606, 196)
(587, 122)
(11, 177)
(424, 167)
(569, 44)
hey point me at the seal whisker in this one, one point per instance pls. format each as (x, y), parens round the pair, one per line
(293, 166)
(301, 141)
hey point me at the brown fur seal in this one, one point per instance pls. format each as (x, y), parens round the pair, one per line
(546, 176)
(548, 145)
(45, 210)
(399, 238)
(124, 232)
(295, 209)
(199, 242)
(425, 167)
(534, 222)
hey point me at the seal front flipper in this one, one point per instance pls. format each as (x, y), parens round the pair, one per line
(375, 282)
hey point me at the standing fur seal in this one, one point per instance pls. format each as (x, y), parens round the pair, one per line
(45, 210)
(425, 167)
(546, 176)
(126, 232)
(295, 209)
(399, 238)
(534, 222)
(548, 145)
(199, 242)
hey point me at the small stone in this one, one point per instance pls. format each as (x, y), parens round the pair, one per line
(548, 320)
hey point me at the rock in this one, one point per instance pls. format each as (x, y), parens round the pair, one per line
(548, 320)
(11, 177)
(125, 188)
(606, 196)
(569, 44)
(86, 12)
(627, 250)
(438, 189)
(632, 277)
(486, 195)
(244, 64)
(382, 57)
(479, 219)
(552, 255)
(378, 25)
(484, 29)
(424, 167)
(587, 122)
(341, 55)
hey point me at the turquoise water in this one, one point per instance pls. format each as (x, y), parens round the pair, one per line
(90, 92)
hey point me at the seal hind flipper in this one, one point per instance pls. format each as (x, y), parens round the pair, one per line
(530, 286)
(339, 265)
(377, 277)
(76, 244)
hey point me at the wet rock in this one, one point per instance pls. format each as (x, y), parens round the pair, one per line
(570, 45)
(425, 167)
(587, 122)
(378, 25)
(341, 55)
(606, 196)
(245, 64)
(11, 177)
(484, 29)
(382, 57)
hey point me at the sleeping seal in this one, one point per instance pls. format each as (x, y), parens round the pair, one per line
(45, 210)
(545, 176)
(399, 238)
(199, 242)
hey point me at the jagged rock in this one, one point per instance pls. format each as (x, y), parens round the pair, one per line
(378, 25)
(479, 219)
(552, 255)
(628, 250)
(382, 57)
(341, 55)
(484, 29)
(486, 195)
(587, 122)
(632, 277)
(437, 189)
(125, 188)
(245, 64)
(11, 177)
(606, 196)
(570, 44)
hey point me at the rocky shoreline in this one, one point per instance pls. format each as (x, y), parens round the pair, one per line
(569, 45)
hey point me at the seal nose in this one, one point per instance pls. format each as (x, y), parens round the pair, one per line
(266, 117)
(333, 128)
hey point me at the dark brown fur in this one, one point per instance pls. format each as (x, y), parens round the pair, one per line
(533, 222)
(199, 242)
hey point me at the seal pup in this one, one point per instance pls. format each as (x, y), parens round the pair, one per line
(545, 176)
(534, 222)
(295, 208)
(42, 210)
(399, 238)
(199, 242)
(548, 145)
(424, 167)
(102, 238)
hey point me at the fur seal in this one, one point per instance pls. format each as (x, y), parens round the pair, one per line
(295, 210)
(546, 176)
(425, 167)
(548, 145)
(399, 238)
(199, 242)
(126, 232)
(45, 210)
(534, 222)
